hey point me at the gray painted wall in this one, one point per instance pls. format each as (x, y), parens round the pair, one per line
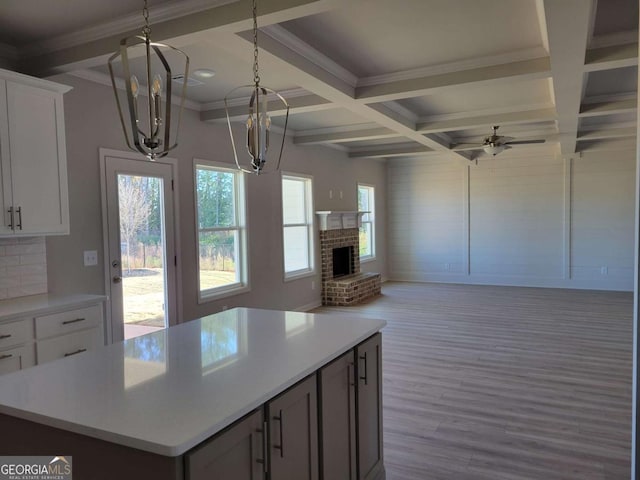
(514, 221)
(92, 123)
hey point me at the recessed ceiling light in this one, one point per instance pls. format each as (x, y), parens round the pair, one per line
(204, 73)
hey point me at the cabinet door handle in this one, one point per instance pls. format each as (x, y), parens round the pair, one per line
(6, 335)
(263, 460)
(19, 212)
(12, 217)
(8, 355)
(280, 447)
(364, 357)
(67, 322)
(80, 350)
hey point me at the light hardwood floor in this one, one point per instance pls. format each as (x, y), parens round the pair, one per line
(488, 383)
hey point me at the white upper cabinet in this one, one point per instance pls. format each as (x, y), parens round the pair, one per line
(33, 157)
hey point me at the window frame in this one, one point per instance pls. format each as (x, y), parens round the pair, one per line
(310, 224)
(372, 218)
(241, 285)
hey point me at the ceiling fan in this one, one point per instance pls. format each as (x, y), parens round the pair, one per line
(494, 143)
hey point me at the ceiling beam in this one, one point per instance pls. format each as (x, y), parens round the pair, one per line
(608, 108)
(603, 133)
(511, 118)
(303, 71)
(568, 31)
(607, 58)
(298, 104)
(416, 87)
(345, 136)
(234, 17)
(391, 151)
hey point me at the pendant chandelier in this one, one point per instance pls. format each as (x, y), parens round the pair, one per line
(147, 124)
(258, 121)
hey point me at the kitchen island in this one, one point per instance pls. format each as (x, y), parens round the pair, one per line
(158, 406)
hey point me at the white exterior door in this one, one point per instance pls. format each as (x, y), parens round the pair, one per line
(141, 247)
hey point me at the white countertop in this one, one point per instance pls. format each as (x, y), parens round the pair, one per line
(33, 305)
(167, 391)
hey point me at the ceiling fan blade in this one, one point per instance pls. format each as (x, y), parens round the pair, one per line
(525, 142)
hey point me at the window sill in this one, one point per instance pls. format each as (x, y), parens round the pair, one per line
(224, 292)
(367, 259)
(297, 276)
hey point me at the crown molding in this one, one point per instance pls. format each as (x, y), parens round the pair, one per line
(104, 79)
(121, 25)
(469, 64)
(294, 43)
(618, 97)
(401, 110)
(240, 101)
(614, 39)
(339, 129)
(486, 112)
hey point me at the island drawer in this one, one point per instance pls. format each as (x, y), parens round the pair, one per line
(69, 321)
(17, 358)
(68, 345)
(15, 333)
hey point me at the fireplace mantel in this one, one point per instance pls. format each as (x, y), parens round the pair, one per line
(335, 220)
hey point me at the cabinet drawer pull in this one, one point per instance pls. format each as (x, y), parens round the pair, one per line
(6, 335)
(263, 460)
(67, 322)
(364, 357)
(80, 350)
(280, 447)
(19, 211)
(5, 356)
(11, 216)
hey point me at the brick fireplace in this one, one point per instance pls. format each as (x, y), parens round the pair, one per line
(344, 285)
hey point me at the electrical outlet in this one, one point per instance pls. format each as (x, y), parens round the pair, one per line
(604, 270)
(330, 194)
(340, 194)
(90, 258)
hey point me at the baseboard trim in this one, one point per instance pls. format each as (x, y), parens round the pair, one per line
(309, 306)
(621, 285)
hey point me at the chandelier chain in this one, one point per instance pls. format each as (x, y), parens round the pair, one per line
(146, 30)
(256, 74)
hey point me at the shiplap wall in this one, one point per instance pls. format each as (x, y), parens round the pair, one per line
(542, 221)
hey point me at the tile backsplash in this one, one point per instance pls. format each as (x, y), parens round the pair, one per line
(23, 267)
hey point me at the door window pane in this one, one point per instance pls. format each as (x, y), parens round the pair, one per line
(142, 246)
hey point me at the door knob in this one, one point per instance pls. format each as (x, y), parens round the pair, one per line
(117, 279)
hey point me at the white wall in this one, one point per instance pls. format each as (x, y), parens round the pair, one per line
(514, 221)
(92, 122)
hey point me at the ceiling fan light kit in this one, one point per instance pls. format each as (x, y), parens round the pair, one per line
(147, 124)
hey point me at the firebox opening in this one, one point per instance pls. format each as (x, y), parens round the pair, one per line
(342, 264)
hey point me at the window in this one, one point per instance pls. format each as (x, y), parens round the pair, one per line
(297, 217)
(366, 203)
(220, 216)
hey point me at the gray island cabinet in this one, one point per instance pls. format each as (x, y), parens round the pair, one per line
(244, 394)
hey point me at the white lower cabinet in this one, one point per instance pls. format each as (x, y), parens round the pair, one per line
(68, 345)
(17, 358)
(35, 340)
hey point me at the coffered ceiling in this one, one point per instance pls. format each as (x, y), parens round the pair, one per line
(377, 78)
